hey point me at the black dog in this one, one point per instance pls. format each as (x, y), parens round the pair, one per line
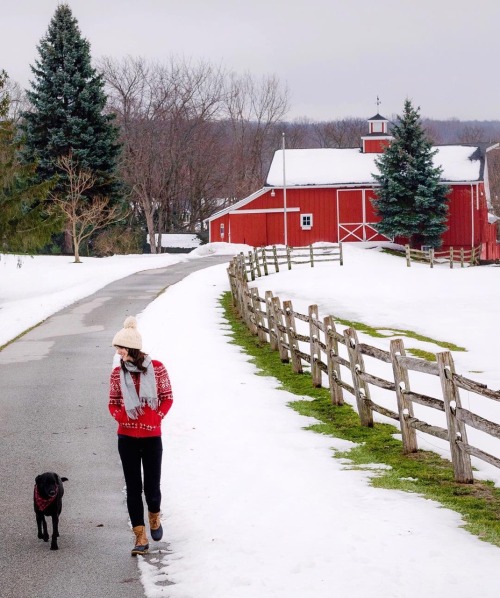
(47, 497)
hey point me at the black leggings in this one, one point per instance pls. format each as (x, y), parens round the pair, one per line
(133, 453)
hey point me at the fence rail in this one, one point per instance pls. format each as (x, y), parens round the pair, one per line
(306, 340)
(262, 260)
(452, 256)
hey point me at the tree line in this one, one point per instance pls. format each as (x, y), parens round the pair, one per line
(98, 156)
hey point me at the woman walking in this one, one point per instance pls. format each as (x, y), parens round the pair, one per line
(139, 398)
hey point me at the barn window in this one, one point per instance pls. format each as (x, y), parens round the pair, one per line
(222, 230)
(306, 221)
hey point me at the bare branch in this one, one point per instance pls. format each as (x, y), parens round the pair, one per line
(84, 215)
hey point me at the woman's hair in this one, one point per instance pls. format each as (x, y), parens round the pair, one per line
(137, 357)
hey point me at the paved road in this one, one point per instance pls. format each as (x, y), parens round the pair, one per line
(53, 416)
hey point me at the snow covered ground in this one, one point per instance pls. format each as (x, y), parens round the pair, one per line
(254, 506)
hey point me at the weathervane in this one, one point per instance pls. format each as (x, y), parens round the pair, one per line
(378, 103)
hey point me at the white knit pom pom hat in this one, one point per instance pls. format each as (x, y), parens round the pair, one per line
(128, 336)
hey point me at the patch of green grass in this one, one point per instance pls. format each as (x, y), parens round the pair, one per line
(420, 353)
(377, 332)
(395, 252)
(423, 472)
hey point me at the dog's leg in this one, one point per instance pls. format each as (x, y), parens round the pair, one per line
(39, 518)
(43, 533)
(55, 532)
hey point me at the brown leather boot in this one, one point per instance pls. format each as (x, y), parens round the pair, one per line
(155, 526)
(141, 540)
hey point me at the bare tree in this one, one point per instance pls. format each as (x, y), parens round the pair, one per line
(432, 131)
(297, 134)
(14, 97)
(84, 215)
(471, 134)
(169, 121)
(254, 109)
(193, 137)
(340, 133)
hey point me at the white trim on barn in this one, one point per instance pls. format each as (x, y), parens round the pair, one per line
(264, 211)
(236, 205)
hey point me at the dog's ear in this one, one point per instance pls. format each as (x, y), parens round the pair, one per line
(64, 479)
(37, 479)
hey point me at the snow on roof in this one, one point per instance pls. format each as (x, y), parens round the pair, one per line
(457, 164)
(327, 166)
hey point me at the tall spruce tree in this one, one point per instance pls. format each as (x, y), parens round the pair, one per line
(67, 108)
(411, 201)
(25, 224)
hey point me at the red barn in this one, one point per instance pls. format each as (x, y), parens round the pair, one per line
(324, 194)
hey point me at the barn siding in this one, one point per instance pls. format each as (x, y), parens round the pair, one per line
(215, 226)
(374, 146)
(249, 229)
(459, 233)
(321, 203)
(357, 218)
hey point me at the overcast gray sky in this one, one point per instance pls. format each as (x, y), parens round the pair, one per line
(336, 56)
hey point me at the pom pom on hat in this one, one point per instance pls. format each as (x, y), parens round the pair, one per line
(128, 336)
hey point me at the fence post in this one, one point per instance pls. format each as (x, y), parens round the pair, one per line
(408, 256)
(431, 257)
(280, 329)
(361, 389)
(341, 255)
(240, 282)
(250, 263)
(456, 429)
(246, 312)
(405, 407)
(231, 274)
(258, 321)
(289, 257)
(276, 264)
(476, 253)
(451, 257)
(332, 350)
(264, 260)
(252, 315)
(257, 264)
(271, 323)
(292, 340)
(462, 257)
(314, 347)
(242, 266)
(311, 254)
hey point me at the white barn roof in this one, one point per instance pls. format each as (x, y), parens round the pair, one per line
(460, 163)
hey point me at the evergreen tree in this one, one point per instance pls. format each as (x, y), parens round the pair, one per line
(25, 224)
(67, 108)
(411, 201)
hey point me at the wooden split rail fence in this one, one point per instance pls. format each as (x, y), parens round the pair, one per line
(263, 260)
(452, 256)
(339, 358)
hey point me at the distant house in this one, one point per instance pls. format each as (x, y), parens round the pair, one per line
(326, 195)
(178, 243)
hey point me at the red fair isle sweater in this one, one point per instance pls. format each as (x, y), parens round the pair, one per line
(149, 423)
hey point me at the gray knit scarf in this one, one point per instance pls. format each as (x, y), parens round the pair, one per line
(147, 388)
